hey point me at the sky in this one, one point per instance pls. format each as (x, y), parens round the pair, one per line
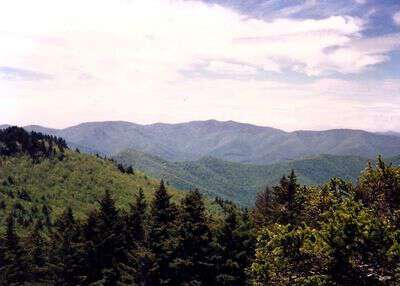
(289, 64)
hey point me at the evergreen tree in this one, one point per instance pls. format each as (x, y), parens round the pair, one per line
(105, 243)
(379, 189)
(193, 265)
(236, 249)
(2, 260)
(39, 256)
(47, 217)
(15, 270)
(67, 251)
(289, 199)
(136, 229)
(130, 271)
(130, 171)
(263, 211)
(161, 237)
(143, 269)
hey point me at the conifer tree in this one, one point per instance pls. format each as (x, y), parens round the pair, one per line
(236, 248)
(67, 251)
(263, 211)
(130, 170)
(289, 200)
(15, 270)
(129, 270)
(379, 189)
(2, 260)
(46, 213)
(141, 268)
(161, 237)
(105, 245)
(193, 265)
(39, 256)
(137, 219)
(91, 263)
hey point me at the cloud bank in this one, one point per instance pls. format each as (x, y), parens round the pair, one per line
(158, 60)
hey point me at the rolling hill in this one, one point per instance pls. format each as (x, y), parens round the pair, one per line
(78, 181)
(229, 141)
(241, 182)
(39, 171)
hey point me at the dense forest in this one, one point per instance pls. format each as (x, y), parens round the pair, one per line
(337, 233)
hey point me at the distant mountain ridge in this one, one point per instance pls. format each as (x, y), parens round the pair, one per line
(229, 140)
(392, 133)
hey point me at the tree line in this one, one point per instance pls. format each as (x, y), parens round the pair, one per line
(15, 140)
(159, 243)
(337, 233)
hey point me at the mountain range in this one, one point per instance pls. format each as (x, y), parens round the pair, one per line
(241, 182)
(229, 141)
(229, 159)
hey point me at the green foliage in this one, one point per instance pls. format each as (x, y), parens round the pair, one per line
(346, 235)
(193, 264)
(15, 264)
(236, 243)
(66, 251)
(162, 229)
(287, 256)
(334, 234)
(76, 181)
(379, 189)
(136, 219)
(241, 182)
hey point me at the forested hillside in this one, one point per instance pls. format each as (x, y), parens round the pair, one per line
(241, 182)
(74, 219)
(38, 175)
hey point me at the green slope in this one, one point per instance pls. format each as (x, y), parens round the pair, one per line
(240, 182)
(77, 181)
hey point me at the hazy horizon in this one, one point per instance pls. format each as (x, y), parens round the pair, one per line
(183, 122)
(292, 65)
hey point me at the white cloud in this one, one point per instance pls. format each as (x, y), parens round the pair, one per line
(155, 37)
(226, 68)
(361, 2)
(396, 18)
(124, 60)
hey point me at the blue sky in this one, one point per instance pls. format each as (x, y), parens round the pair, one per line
(298, 64)
(378, 15)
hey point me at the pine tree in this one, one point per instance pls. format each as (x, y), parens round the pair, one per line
(236, 242)
(289, 200)
(2, 260)
(135, 239)
(105, 243)
(246, 247)
(193, 265)
(47, 217)
(37, 245)
(15, 270)
(136, 220)
(130, 171)
(379, 189)
(67, 252)
(144, 267)
(92, 268)
(161, 237)
(263, 211)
